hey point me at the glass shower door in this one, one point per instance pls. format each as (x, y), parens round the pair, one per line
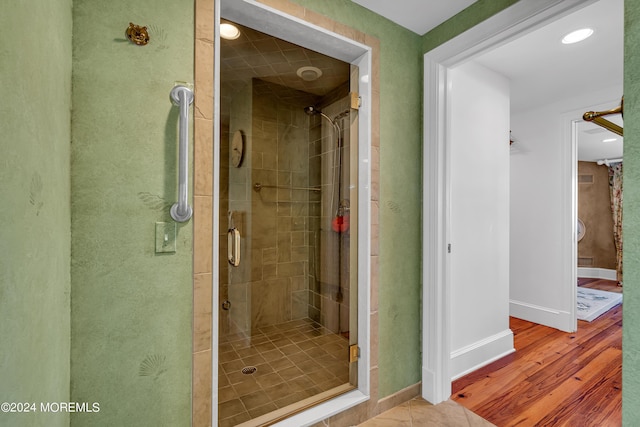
(288, 288)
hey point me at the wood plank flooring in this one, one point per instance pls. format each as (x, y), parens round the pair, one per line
(554, 378)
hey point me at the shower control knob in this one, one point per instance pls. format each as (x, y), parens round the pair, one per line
(226, 305)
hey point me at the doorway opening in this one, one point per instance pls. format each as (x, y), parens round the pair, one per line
(290, 291)
(519, 19)
(286, 292)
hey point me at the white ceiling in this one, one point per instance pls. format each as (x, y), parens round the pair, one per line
(594, 142)
(419, 16)
(541, 69)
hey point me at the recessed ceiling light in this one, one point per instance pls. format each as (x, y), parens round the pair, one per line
(577, 36)
(610, 140)
(229, 31)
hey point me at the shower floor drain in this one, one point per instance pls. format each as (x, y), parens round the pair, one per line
(249, 370)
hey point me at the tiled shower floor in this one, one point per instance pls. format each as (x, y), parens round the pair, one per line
(294, 361)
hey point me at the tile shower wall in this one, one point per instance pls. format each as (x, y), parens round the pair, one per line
(329, 250)
(280, 244)
(270, 285)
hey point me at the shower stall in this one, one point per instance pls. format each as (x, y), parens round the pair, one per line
(288, 288)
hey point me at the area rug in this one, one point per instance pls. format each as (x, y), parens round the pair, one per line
(592, 302)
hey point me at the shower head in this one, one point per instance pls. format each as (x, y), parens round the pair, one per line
(311, 110)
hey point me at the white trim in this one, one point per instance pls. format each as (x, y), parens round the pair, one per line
(481, 353)
(436, 384)
(559, 319)
(324, 410)
(513, 22)
(215, 207)
(520, 18)
(286, 27)
(569, 218)
(597, 273)
(274, 22)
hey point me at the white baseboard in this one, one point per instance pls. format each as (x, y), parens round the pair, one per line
(542, 315)
(431, 390)
(597, 273)
(481, 353)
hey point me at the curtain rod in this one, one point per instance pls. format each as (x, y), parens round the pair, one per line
(608, 162)
(598, 118)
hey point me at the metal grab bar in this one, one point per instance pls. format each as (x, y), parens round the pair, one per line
(183, 97)
(257, 187)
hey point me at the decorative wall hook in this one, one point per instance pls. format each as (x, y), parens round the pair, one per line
(137, 34)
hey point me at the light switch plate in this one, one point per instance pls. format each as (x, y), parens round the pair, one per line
(165, 237)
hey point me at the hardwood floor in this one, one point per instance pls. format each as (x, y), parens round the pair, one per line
(554, 378)
(601, 284)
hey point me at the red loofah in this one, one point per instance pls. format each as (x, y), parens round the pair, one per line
(340, 224)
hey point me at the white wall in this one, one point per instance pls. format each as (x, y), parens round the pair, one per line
(479, 217)
(542, 264)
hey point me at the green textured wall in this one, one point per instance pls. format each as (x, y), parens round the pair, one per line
(131, 309)
(631, 214)
(35, 109)
(400, 191)
(469, 17)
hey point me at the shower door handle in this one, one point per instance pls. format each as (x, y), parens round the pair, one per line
(183, 97)
(233, 247)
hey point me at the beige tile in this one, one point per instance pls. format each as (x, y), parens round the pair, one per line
(255, 399)
(279, 391)
(269, 380)
(349, 32)
(203, 70)
(400, 398)
(374, 342)
(455, 414)
(247, 386)
(419, 413)
(226, 394)
(375, 212)
(396, 417)
(234, 420)
(375, 239)
(230, 408)
(375, 158)
(204, 19)
(202, 312)
(201, 399)
(202, 227)
(353, 416)
(203, 157)
(375, 284)
(285, 6)
(261, 410)
(374, 381)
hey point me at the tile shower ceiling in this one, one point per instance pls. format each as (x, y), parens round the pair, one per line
(258, 55)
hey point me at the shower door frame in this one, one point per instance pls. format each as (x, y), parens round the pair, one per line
(279, 24)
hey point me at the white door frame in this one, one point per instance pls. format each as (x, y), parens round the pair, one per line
(277, 23)
(509, 24)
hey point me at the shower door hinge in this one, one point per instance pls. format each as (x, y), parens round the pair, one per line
(356, 101)
(354, 353)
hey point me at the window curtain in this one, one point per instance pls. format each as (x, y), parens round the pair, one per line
(615, 187)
